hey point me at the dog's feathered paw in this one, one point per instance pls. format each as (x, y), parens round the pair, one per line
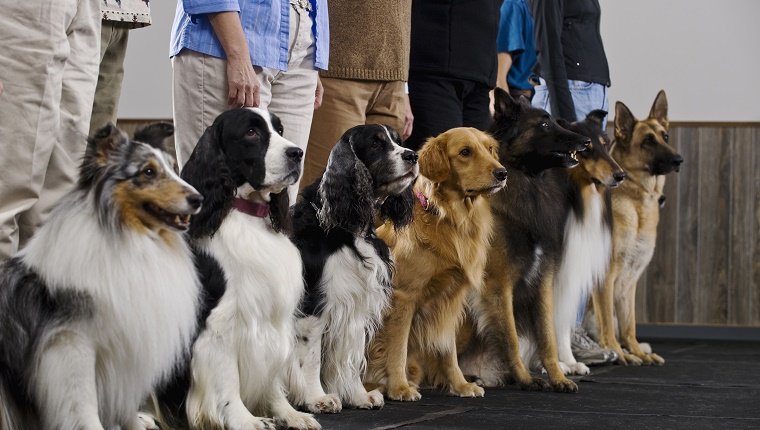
(576, 369)
(298, 421)
(564, 386)
(147, 421)
(469, 389)
(404, 393)
(374, 400)
(328, 404)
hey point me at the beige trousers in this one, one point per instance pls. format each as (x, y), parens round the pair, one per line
(49, 67)
(200, 91)
(113, 49)
(348, 103)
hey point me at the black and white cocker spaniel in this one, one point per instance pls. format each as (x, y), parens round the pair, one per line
(347, 267)
(244, 358)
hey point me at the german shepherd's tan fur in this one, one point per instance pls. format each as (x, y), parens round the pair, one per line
(642, 150)
(439, 259)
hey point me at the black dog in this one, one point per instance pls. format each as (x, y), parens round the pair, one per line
(347, 267)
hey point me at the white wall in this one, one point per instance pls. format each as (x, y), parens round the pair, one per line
(704, 53)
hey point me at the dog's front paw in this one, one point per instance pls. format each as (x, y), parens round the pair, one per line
(256, 423)
(630, 360)
(469, 389)
(146, 421)
(656, 359)
(564, 386)
(327, 404)
(371, 400)
(578, 369)
(298, 421)
(535, 383)
(404, 393)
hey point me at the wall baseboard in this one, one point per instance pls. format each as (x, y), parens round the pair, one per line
(697, 332)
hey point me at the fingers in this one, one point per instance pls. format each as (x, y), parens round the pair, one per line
(408, 125)
(318, 94)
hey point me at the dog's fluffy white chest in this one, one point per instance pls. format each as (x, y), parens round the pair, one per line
(145, 295)
(264, 287)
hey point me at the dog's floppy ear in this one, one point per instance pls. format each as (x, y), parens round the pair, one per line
(154, 134)
(346, 189)
(207, 171)
(659, 109)
(434, 161)
(398, 208)
(624, 121)
(596, 117)
(279, 212)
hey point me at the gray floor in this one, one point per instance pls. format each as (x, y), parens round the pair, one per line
(703, 385)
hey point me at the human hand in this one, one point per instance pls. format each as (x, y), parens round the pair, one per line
(408, 118)
(318, 94)
(243, 84)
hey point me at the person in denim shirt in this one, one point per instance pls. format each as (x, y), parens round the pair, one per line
(571, 60)
(233, 53)
(516, 49)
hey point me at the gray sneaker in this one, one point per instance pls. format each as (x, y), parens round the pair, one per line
(587, 351)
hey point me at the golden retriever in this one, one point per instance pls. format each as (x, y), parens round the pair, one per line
(439, 259)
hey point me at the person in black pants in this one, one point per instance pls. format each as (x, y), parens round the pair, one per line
(452, 65)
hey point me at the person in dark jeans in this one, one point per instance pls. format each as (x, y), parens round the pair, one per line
(452, 65)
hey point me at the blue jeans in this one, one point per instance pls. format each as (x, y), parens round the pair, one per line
(587, 96)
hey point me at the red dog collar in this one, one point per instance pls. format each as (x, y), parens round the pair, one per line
(248, 207)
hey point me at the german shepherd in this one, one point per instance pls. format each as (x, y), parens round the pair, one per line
(641, 148)
(588, 233)
(529, 217)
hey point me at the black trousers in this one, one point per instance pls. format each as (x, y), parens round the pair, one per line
(441, 103)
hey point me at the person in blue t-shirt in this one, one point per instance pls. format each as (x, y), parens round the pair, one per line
(516, 49)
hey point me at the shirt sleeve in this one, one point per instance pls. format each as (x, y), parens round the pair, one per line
(199, 7)
(548, 18)
(511, 29)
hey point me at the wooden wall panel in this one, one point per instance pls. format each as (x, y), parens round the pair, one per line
(687, 205)
(715, 224)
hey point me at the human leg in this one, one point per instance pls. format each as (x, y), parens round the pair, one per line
(113, 49)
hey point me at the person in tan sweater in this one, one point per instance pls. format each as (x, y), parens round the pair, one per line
(365, 82)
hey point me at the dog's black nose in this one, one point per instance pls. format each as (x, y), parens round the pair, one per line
(618, 176)
(677, 160)
(195, 200)
(294, 154)
(410, 157)
(500, 173)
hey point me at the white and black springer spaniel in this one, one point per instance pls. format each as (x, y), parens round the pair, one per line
(252, 276)
(347, 267)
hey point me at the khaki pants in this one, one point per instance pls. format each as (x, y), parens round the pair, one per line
(113, 48)
(348, 103)
(49, 67)
(200, 91)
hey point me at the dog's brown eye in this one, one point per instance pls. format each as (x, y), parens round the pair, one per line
(544, 124)
(666, 137)
(250, 133)
(465, 152)
(149, 172)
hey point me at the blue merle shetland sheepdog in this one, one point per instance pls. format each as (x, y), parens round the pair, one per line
(102, 303)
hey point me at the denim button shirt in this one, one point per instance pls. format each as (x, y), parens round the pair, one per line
(266, 24)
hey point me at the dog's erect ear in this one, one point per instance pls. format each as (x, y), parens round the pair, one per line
(597, 117)
(434, 161)
(398, 208)
(104, 143)
(346, 190)
(624, 121)
(279, 212)
(154, 134)
(208, 172)
(504, 105)
(101, 148)
(659, 109)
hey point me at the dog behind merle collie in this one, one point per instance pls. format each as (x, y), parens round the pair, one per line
(244, 359)
(347, 267)
(101, 304)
